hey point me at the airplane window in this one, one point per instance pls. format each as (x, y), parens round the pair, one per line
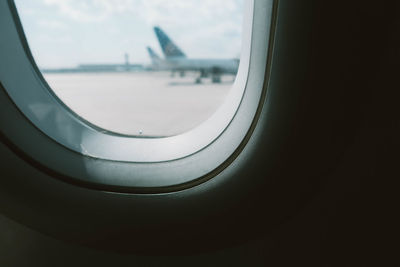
(148, 68)
(134, 95)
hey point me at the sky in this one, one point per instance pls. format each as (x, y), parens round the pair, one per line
(65, 33)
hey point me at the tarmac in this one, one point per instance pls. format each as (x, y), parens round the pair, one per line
(151, 104)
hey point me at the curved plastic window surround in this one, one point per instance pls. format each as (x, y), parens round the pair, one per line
(124, 161)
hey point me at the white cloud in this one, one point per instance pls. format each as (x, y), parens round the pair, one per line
(88, 10)
(152, 11)
(52, 24)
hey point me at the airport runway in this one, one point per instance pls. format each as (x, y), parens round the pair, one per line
(140, 103)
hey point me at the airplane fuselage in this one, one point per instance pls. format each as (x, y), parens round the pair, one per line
(214, 66)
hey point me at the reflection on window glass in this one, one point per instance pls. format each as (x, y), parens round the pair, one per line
(137, 67)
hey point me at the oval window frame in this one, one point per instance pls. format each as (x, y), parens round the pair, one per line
(190, 158)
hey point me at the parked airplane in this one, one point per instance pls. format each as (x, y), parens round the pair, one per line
(176, 60)
(157, 63)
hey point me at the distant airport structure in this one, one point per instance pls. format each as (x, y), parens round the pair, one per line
(125, 67)
(174, 60)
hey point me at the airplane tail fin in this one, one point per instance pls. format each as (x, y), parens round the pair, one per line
(155, 59)
(169, 48)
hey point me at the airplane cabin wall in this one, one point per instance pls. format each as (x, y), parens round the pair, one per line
(335, 128)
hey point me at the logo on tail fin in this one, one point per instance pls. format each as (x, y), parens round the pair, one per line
(169, 48)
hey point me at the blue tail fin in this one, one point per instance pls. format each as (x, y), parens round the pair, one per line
(153, 55)
(169, 48)
(155, 59)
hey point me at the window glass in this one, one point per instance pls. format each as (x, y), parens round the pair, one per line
(148, 68)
